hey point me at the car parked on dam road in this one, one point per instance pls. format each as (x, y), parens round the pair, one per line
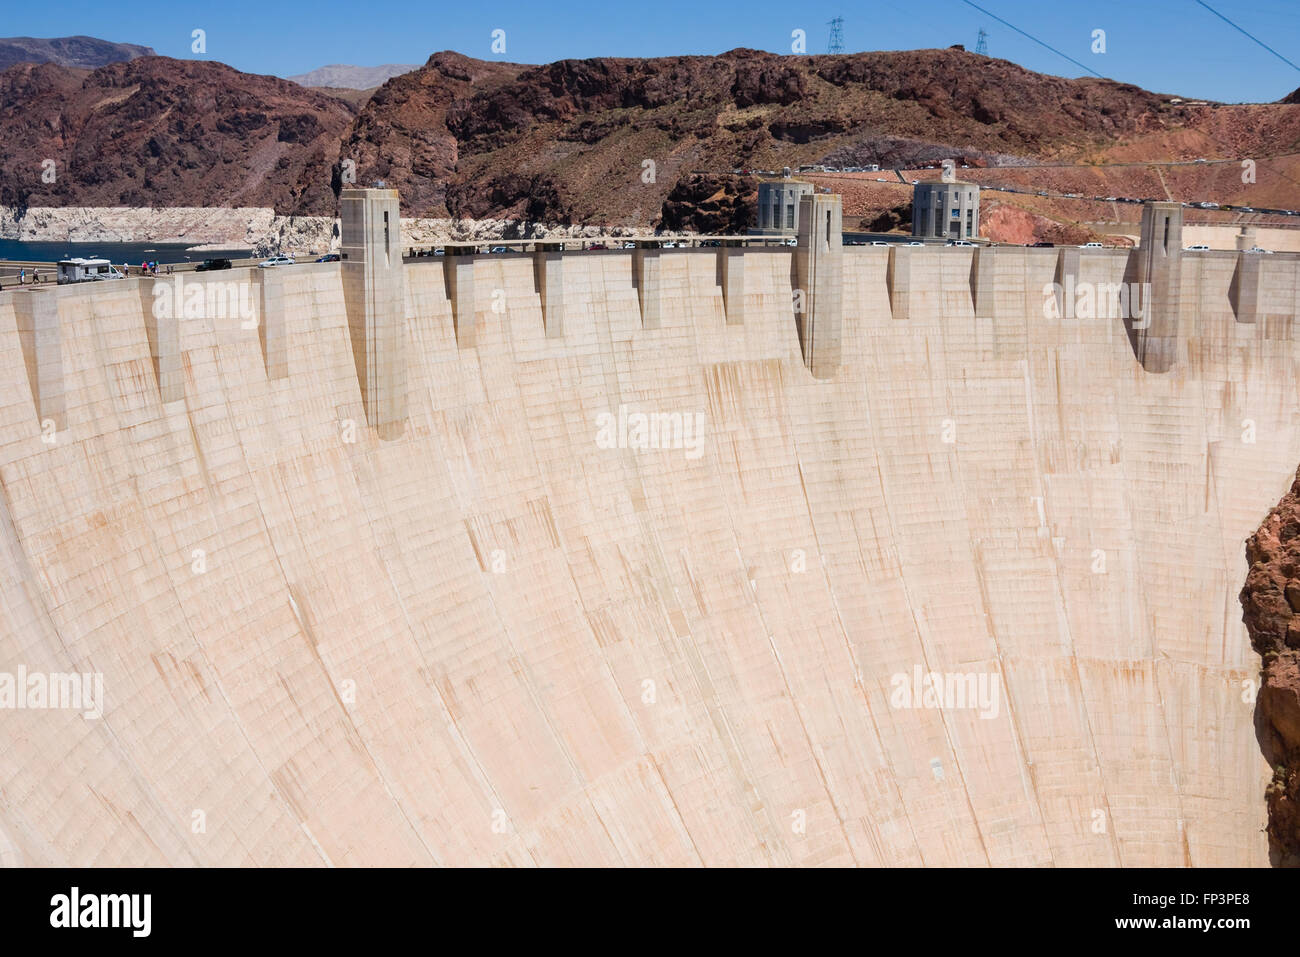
(209, 265)
(276, 261)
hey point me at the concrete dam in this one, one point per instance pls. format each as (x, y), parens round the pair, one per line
(812, 555)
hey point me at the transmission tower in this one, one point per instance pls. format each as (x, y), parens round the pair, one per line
(836, 44)
(982, 44)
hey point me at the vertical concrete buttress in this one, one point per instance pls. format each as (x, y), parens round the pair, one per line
(898, 281)
(162, 324)
(983, 283)
(731, 276)
(1066, 279)
(458, 273)
(819, 271)
(374, 293)
(40, 337)
(646, 262)
(271, 330)
(1244, 292)
(548, 277)
(1159, 268)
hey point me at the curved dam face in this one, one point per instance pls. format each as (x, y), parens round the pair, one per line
(967, 600)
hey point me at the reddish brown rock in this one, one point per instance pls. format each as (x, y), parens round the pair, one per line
(1268, 602)
(160, 132)
(621, 141)
(711, 204)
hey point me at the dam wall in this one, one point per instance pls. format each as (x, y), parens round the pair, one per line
(506, 633)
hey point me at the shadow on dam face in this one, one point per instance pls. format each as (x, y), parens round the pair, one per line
(494, 638)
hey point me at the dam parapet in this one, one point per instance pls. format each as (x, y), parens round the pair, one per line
(1157, 294)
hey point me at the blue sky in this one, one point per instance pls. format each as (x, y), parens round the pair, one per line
(1194, 54)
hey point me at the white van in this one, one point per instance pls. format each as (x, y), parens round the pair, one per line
(86, 270)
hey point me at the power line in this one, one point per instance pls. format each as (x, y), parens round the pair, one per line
(982, 43)
(1034, 38)
(1245, 34)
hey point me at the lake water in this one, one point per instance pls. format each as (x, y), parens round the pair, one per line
(118, 253)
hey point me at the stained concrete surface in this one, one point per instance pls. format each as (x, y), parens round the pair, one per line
(490, 640)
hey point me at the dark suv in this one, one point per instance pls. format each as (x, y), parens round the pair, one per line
(208, 265)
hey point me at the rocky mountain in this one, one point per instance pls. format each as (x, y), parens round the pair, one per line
(612, 137)
(621, 142)
(353, 77)
(403, 135)
(1271, 604)
(161, 132)
(84, 53)
(655, 141)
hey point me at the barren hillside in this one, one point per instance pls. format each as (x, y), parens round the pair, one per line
(646, 142)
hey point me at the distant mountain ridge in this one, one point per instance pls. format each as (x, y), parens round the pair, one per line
(353, 77)
(79, 52)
